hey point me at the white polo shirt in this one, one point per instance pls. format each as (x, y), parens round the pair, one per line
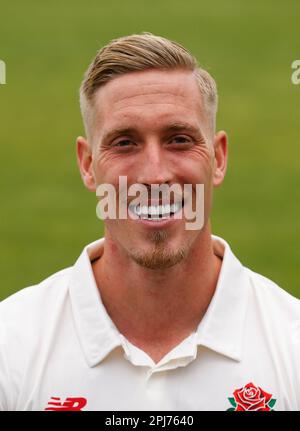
(59, 349)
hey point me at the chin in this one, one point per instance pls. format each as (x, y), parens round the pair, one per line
(158, 253)
(159, 258)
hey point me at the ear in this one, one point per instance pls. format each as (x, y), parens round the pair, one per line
(84, 160)
(220, 161)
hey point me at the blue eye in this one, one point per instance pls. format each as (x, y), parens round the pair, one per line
(123, 143)
(181, 140)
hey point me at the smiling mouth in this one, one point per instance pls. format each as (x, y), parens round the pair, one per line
(156, 212)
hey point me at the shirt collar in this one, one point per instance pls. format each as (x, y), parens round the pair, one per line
(97, 333)
(221, 329)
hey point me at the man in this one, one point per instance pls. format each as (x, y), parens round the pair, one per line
(153, 316)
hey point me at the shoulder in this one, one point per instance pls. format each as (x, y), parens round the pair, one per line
(275, 311)
(272, 295)
(26, 318)
(35, 300)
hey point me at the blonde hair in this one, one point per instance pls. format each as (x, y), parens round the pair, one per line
(140, 52)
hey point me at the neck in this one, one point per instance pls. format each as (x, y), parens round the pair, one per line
(155, 308)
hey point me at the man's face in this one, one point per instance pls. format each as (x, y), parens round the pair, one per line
(152, 127)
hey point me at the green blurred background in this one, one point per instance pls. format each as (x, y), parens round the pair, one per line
(47, 215)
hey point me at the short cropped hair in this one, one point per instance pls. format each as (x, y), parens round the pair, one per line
(140, 52)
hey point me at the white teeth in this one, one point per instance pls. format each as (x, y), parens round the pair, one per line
(166, 209)
(144, 210)
(175, 207)
(155, 212)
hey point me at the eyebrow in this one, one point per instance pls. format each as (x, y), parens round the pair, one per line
(117, 132)
(173, 127)
(179, 127)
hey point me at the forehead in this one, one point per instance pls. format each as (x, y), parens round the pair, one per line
(151, 95)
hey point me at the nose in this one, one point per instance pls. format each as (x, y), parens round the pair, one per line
(154, 167)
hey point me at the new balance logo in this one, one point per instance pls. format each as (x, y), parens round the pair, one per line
(70, 404)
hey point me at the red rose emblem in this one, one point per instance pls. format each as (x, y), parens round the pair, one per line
(251, 398)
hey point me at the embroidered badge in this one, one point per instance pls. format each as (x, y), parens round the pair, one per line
(251, 398)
